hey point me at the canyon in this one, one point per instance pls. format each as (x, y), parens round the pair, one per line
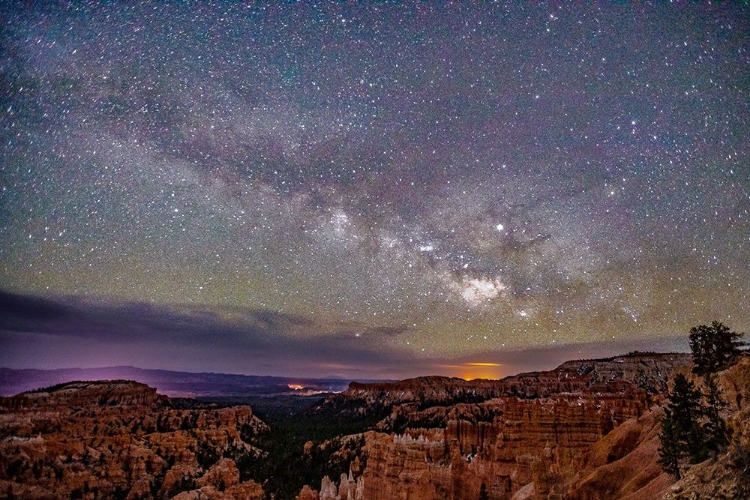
(120, 439)
(586, 430)
(521, 437)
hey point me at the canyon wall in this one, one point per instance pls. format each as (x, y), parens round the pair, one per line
(119, 439)
(541, 435)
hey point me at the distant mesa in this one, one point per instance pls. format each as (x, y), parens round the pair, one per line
(87, 393)
(170, 383)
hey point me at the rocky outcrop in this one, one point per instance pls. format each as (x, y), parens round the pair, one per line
(623, 464)
(222, 482)
(248, 490)
(649, 372)
(527, 441)
(347, 489)
(308, 493)
(95, 393)
(727, 476)
(565, 433)
(121, 439)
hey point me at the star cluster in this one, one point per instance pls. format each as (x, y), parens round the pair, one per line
(433, 180)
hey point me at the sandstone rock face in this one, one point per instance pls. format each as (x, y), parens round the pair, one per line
(348, 489)
(308, 494)
(589, 438)
(728, 475)
(221, 475)
(623, 464)
(527, 441)
(120, 439)
(647, 371)
(566, 433)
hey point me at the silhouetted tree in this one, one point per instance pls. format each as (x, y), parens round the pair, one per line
(672, 451)
(714, 347)
(682, 422)
(692, 427)
(717, 433)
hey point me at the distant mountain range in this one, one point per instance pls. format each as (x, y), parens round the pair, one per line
(171, 383)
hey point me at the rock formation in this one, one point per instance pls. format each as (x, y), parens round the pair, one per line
(649, 372)
(584, 428)
(726, 477)
(587, 430)
(120, 439)
(348, 489)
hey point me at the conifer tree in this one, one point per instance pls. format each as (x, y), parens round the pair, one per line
(714, 347)
(717, 433)
(686, 412)
(672, 450)
(692, 427)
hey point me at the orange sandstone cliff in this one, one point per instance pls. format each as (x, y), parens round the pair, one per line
(119, 439)
(583, 431)
(588, 429)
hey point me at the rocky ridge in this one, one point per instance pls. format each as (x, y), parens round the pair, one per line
(646, 371)
(120, 439)
(585, 430)
(727, 476)
(555, 435)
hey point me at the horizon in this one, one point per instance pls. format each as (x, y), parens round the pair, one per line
(194, 388)
(370, 191)
(331, 377)
(82, 337)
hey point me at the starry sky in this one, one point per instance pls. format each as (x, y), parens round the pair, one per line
(372, 190)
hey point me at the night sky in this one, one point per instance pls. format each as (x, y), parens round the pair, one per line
(369, 190)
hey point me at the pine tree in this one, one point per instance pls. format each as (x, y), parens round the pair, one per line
(717, 433)
(687, 411)
(672, 450)
(714, 347)
(692, 427)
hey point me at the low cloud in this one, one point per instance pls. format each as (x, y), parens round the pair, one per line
(39, 332)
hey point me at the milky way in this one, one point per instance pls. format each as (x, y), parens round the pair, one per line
(406, 183)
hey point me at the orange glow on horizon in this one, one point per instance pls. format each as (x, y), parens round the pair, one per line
(480, 375)
(475, 370)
